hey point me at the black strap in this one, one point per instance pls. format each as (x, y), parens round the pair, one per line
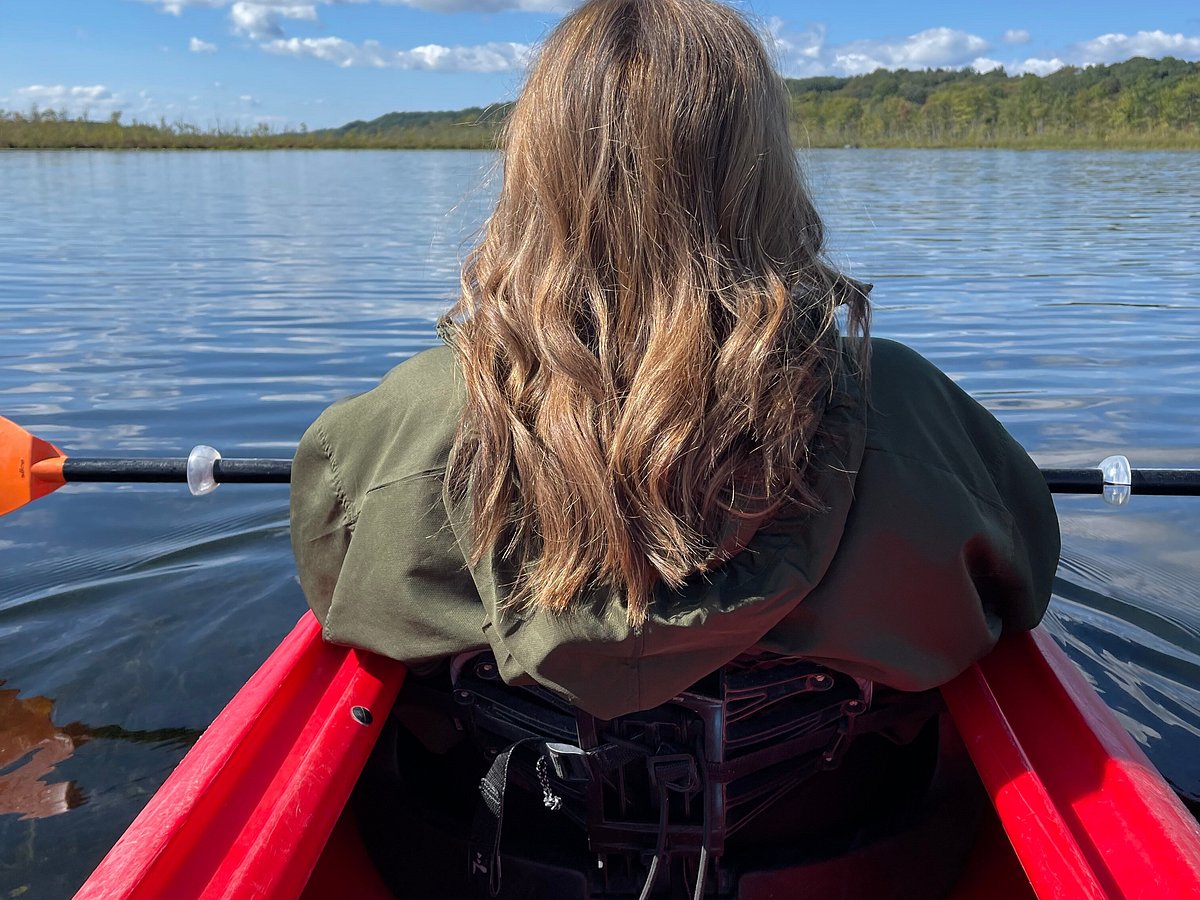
(568, 763)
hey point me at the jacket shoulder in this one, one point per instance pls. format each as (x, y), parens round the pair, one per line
(403, 427)
(901, 374)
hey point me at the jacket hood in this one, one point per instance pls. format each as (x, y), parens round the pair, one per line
(593, 656)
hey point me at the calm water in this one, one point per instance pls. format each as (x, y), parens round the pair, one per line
(153, 301)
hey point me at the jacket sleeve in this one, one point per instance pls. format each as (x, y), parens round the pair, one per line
(322, 520)
(377, 558)
(952, 538)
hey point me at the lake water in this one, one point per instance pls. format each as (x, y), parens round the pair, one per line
(153, 301)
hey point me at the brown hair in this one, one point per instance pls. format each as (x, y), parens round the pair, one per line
(647, 328)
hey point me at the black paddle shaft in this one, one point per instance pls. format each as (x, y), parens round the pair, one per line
(1161, 482)
(225, 471)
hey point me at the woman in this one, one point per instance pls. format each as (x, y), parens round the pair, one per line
(647, 448)
(648, 451)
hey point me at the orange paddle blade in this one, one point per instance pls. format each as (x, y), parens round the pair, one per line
(19, 451)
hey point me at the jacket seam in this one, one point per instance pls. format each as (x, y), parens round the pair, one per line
(336, 477)
(411, 476)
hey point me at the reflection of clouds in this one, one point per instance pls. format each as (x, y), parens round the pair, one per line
(108, 439)
(35, 387)
(291, 398)
(1130, 659)
(1178, 455)
(1143, 733)
(1110, 524)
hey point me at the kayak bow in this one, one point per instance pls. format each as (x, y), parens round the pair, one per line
(250, 809)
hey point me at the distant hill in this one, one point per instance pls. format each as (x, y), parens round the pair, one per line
(1136, 104)
(474, 127)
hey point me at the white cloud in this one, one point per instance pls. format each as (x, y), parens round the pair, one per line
(176, 7)
(794, 45)
(1111, 48)
(983, 64)
(495, 57)
(1036, 66)
(92, 100)
(261, 20)
(488, 6)
(800, 53)
(929, 49)
(805, 54)
(74, 100)
(57, 93)
(198, 46)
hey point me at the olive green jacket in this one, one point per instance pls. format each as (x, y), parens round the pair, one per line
(938, 533)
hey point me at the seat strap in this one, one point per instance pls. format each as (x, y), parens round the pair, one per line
(568, 763)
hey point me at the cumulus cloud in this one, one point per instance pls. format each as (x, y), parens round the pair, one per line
(1035, 66)
(261, 20)
(52, 93)
(983, 64)
(1111, 48)
(799, 47)
(176, 7)
(198, 46)
(75, 100)
(805, 53)
(494, 57)
(488, 6)
(930, 49)
(800, 53)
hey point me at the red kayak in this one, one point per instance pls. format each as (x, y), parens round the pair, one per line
(259, 807)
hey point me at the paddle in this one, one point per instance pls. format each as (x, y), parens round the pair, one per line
(31, 468)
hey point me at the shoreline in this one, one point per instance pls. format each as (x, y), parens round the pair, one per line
(1048, 146)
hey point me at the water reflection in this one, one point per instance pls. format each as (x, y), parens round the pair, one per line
(32, 748)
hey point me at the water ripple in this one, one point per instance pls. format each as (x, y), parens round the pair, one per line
(153, 301)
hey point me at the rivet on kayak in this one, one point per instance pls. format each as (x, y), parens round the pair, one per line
(362, 715)
(464, 698)
(486, 671)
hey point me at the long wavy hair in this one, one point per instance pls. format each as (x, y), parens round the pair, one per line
(647, 328)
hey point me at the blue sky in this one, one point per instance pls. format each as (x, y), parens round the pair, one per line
(326, 62)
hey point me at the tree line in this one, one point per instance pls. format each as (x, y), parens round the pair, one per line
(1136, 104)
(1140, 103)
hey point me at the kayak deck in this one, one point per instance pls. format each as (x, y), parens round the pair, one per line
(250, 811)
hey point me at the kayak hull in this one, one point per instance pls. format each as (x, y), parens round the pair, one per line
(259, 807)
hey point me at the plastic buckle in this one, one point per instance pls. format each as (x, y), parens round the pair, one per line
(570, 762)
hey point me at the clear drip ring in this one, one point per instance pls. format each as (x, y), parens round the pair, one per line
(200, 462)
(1117, 479)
